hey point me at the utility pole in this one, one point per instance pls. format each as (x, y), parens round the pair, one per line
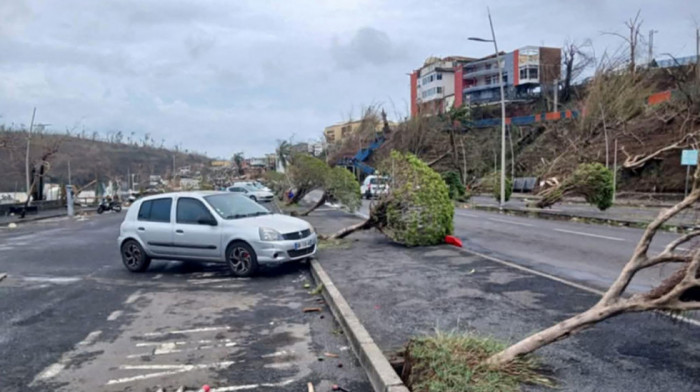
(29, 140)
(697, 55)
(614, 172)
(503, 115)
(556, 95)
(651, 45)
(69, 182)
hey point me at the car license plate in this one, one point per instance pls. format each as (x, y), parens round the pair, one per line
(303, 244)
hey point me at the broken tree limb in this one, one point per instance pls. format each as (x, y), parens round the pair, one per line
(640, 159)
(351, 229)
(319, 203)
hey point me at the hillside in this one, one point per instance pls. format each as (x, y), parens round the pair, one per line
(613, 105)
(89, 159)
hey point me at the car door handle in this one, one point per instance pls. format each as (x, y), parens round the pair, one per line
(179, 231)
(141, 229)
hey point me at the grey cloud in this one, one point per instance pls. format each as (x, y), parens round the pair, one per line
(367, 46)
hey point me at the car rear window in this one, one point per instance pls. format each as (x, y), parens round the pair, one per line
(157, 210)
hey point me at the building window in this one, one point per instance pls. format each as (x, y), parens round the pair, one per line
(505, 79)
(533, 73)
(528, 73)
(439, 76)
(439, 90)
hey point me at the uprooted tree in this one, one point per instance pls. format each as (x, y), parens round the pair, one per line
(591, 180)
(417, 210)
(678, 292)
(306, 174)
(339, 185)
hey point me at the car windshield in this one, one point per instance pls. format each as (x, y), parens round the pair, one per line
(231, 206)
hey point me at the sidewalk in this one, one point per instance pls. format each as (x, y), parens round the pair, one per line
(399, 292)
(618, 215)
(44, 214)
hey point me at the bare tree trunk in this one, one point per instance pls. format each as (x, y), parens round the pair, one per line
(438, 159)
(455, 158)
(351, 229)
(319, 203)
(556, 332)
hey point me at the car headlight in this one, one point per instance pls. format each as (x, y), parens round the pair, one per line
(268, 234)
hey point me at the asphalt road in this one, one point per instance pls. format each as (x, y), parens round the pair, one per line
(400, 293)
(72, 318)
(591, 254)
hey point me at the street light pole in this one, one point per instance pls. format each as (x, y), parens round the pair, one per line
(503, 108)
(503, 114)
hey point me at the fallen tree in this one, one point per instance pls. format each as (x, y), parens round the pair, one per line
(306, 174)
(591, 180)
(679, 292)
(417, 211)
(339, 186)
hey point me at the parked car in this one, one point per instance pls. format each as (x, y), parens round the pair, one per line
(211, 226)
(253, 193)
(255, 184)
(374, 186)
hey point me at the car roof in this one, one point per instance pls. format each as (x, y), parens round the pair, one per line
(183, 194)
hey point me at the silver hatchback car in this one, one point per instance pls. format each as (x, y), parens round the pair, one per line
(211, 226)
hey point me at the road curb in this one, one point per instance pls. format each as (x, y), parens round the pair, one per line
(40, 218)
(380, 373)
(544, 214)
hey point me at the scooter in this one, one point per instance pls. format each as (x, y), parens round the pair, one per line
(109, 206)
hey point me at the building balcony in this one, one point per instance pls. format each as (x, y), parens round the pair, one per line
(482, 87)
(481, 72)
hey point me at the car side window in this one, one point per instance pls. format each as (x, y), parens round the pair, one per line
(157, 210)
(190, 211)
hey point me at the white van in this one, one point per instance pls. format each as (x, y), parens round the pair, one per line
(374, 186)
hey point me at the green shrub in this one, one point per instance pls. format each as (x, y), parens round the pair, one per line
(454, 185)
(418, 210)
(341, 186)
(495, 184)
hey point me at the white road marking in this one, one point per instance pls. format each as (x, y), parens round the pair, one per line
(195, 330)
(510, 222)
(59, 280)
(90, 338)
(590, 235)
(133, 297)
(460, 213)
(114, 315)
(175, 370)
(208, 281)
(275, 354)
(49, 372)
(158, 276)
(253, 386)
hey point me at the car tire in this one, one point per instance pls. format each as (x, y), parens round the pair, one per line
(134, 257)
(241, 259)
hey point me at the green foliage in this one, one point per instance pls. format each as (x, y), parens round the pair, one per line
(277, 182)
(594, 181)
(341, 186)
(495, 184)
(418, 210)
(451, 362)
(454, 185)
(307, 173)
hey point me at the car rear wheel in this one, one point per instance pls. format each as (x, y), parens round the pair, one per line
(241, 259)
(134, 257)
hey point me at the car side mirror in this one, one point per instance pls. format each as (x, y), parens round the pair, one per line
(207, 221)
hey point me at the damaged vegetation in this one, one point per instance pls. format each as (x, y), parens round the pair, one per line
(452, 363)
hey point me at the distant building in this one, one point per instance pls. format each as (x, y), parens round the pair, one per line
(338, 132)
(189, 184)
(302, 148)
(443, 83)
(257, 162)
(221, 163)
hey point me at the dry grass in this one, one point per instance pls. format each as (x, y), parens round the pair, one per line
(453, 363)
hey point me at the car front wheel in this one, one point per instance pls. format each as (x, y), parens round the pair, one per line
(134, 257)
(241, 259)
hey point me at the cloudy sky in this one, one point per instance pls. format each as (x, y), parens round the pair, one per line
(225, 76)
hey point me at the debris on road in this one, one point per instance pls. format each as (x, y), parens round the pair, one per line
(309, 310)
(2, 276)
(310, 386)
(307, 285)
(12, 225)
(452, 240)
(337, 387)
(317, 290)
(331, 355)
